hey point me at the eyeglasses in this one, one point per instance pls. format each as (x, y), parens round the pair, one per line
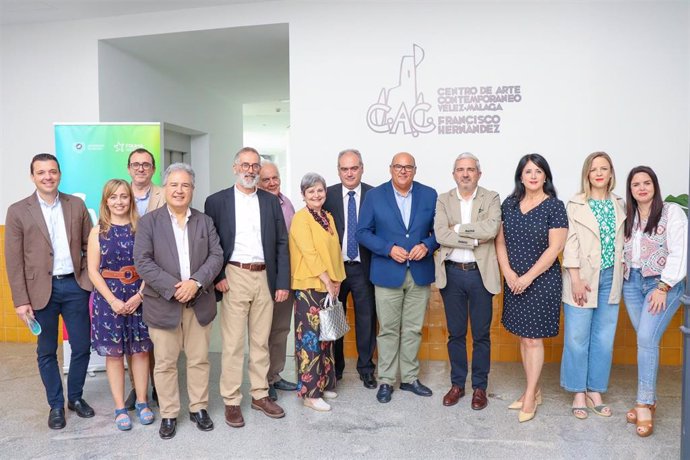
(138, 165)
(407, 168)
(247, 166)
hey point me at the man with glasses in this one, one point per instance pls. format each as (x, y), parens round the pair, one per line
(147, 196)
(397, 226)
(269, 180)
(256, 272)
(344, 201)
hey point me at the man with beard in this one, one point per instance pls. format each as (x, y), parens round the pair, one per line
(256, 273)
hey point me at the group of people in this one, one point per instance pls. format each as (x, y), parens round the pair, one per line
(155, 269)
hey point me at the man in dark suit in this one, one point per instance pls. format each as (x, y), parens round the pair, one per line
(178, 255)
(397, 226)
(256, 272)
(343, 201)
(46, 236)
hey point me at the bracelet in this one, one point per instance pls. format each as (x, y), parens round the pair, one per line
(140, 295)
(663, 287)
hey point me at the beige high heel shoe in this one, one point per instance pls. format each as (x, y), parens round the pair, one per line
(517, 404)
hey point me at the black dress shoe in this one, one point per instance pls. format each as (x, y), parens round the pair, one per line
(284, 385)
(81, 408)
(272, 393)
(168, 426)
(56, 419)
(384, 394)
(417, 388)
(202, 420)
(368, 380)
(131, 400)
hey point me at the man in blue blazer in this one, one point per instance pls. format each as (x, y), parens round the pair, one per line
(397, 225)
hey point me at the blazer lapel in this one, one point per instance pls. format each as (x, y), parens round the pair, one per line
(393, 204)
(476, 205)
(67, 214)
(192, 235)
(169, 235)
(36, 213)
(229, 204)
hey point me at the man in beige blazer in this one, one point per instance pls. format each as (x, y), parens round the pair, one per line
(178, 255)
(46, 238)
(467, 220)
(148, 197)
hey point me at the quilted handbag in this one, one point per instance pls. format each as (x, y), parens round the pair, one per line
(333, 323)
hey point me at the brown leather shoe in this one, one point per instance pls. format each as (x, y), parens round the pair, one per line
(233, 416)
(453, 396)
(479, 400)
(268, 407)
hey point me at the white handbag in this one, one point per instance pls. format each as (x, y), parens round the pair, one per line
(332, 321)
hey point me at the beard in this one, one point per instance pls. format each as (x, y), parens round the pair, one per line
(247, 181)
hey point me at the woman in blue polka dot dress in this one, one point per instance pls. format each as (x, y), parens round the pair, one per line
(532, 235)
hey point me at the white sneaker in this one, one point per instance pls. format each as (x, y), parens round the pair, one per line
(317, 404)
(329, 394)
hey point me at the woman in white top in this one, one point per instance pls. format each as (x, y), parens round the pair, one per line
(655, 255)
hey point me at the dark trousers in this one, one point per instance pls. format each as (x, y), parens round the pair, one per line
(362, 291)
(72, 302)
(465, 294)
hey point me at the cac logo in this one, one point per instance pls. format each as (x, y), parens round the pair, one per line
(402, 108)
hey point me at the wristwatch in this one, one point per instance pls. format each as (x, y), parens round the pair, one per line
(198, 284)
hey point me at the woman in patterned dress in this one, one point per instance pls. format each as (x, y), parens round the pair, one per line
(655, 260)
(527, 246)
(317, 268)
(117, 327)
(592, 284)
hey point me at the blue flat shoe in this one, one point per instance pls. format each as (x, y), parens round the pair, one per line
(124, 423)
(144, 413)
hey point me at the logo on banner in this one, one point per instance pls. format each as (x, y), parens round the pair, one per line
(459, 109)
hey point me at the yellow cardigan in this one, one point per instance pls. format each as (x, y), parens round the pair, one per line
(313, 251)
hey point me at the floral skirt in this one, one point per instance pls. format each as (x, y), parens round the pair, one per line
(315, 368)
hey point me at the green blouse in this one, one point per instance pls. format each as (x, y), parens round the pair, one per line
(606, 216)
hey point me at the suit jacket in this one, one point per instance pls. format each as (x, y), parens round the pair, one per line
(274, 237)
(29, 252)
(334, 205)
(158, 264)
(484, 225)
(381, 227)
(156, 199)
(583, 250)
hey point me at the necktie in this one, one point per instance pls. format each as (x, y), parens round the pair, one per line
(351, 226)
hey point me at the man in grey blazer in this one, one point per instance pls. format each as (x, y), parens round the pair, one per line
(46, 236)
(178, 255)
(467, 220)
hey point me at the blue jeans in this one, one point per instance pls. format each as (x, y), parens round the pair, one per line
(588, 343)
(72, 302)
(650, 328)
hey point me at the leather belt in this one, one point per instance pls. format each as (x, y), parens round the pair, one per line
(127, 274)
(466, 267)
(254, 267)
(62, 277)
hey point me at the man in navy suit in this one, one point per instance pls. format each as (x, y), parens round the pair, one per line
(344, 201)
(397, 225)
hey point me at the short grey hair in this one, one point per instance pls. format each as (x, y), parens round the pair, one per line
(311, 179)
(178, 167)
(469, 155)
(243, 150)
(267, 162)
(353, 151)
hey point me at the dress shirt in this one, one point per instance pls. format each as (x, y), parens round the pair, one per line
(404, 204)
(55, 221)
(346, 199)
(143, 202)
(463, 256)
(287, 208)
(248, 248)
(182, 244)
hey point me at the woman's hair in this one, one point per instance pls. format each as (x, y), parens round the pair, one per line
(104, 218)
(586, 186)
(631, 203)
(311, 179)
(519, 190)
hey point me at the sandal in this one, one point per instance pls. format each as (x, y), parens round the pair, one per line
(631, 415)
(579, 413)
(124, 423)
(644, 428)
(599, 410)
(144, 413)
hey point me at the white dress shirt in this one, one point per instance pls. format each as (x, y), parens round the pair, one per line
(248, 248)
(55, 221)
(182, 244)
(463, 256)
(346, 200)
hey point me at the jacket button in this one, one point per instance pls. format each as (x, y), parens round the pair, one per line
(51, 254)
(407, 235)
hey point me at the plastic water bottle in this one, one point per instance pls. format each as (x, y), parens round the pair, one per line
(34, 326)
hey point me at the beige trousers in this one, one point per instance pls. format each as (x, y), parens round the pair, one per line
(192, 338)
(246, 307)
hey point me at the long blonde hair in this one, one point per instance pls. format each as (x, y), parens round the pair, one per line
(104, 218)
(586, 187)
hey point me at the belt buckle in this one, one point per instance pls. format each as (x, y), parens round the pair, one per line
(128, 273)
